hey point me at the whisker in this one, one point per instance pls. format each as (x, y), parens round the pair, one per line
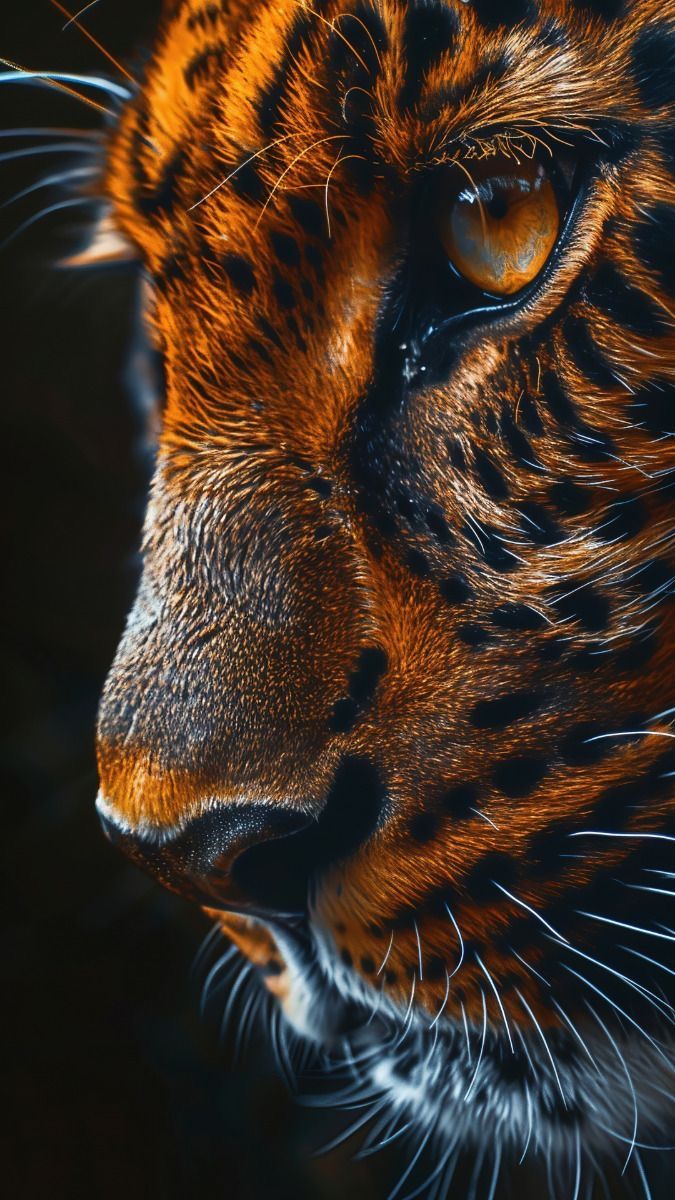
(82, 11)
(498, 998)
(19, 74)
(54, 148)
(52, 181)
(46, 212)
(622, 1012)
(332, 137)
(547, 1048)
(459, 935)
(73, 20)
(389, 949)
(49, 131)
(624, 1066)
(480, 1052)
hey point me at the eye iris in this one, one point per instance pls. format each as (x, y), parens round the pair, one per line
(500, 231)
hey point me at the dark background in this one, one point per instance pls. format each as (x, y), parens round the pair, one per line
(115, 1085)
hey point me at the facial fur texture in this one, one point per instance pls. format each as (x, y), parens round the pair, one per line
(408, 567)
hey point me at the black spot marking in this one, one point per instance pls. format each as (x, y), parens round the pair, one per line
(551, 650)
(372, 666)
(308, 214)
(538, 524)
(322, 487)
(346, 958)
(608, 10)
(239, 272)
(512, 706)
(493, 13)
(515, 439)
(460, 800)
(455, 589)
(344, 715)
(653, 57)
(586, 605)
(518, 617)
(284, 293)
(246, 182)
(456, 453)
(286, 249)
(200, 67)
(490, 476)
(656, 576)
(623, 519)
(273, 967)
(588, 357)
(424, 827)
(570, 497)
(653, 406)
(493, 868)
(611, 292)
(364, 38)
(430, 31)
(164, 194)
(367, 965)
(269, 332)
(435, 968)
(472, 634)
(417, 563)
(518, 776)
(438, 526)
(654, 241)
(559, 403)
(271, 99)
(493, 550)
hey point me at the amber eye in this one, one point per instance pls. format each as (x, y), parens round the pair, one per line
(500, 225)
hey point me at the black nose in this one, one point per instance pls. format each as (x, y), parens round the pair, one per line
(207, 860)
(257, 859)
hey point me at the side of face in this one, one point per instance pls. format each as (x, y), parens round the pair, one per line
(397, 686)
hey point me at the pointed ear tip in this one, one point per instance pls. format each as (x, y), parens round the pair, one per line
(106, 245)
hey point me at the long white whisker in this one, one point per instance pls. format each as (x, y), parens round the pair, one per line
(624, 1066)
(460, 939)
(482, 1048)
(498, 998)
(46, 212)
(54, 148)
(547, 1048)
(93, 81)
(50, 181)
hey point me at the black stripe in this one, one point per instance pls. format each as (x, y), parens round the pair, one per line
(611, 292)
(654, 241)
(654, 65)
(493, 13)
(270, 101)
(586, 354)
(430, 32)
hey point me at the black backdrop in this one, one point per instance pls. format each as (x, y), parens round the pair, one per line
(115, 1084)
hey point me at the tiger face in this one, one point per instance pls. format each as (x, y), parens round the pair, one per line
(395, 697)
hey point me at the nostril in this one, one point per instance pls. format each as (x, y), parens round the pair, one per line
(259, 859)
(278, 874)
(198, 859)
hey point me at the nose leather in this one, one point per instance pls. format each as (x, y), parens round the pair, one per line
(198, 861)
